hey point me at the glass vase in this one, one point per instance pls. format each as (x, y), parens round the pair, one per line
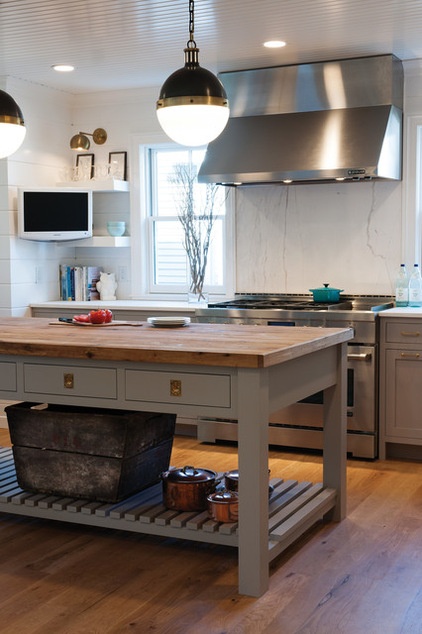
(197, 298)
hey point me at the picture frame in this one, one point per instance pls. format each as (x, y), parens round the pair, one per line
(84, 167)
(118, 164)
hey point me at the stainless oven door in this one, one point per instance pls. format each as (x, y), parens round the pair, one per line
(361, 397)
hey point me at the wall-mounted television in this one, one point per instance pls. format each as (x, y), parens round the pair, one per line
(54, 214)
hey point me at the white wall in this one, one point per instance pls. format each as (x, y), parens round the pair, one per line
(288, 239)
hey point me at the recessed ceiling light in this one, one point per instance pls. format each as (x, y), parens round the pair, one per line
(63, 68)
(274, 44)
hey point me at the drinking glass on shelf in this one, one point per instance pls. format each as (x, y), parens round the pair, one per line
(76, 174)
(102, 172)
(65, 174)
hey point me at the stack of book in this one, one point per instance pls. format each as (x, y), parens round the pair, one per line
(79, 283)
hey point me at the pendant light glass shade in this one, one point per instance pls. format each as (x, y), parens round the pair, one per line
(193, 125)
(192, 107)
(12, 126)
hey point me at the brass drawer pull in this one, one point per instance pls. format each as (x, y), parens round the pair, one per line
(414, 355)
(175, 388)
(409, 334)
(68, 381)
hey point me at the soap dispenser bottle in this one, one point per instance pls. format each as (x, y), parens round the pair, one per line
(415, 288)
(402, 287)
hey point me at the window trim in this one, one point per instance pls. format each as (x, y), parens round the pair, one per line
(141, 260)
(412, 192)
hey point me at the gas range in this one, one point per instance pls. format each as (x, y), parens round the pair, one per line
(354, 311)
(301, 425)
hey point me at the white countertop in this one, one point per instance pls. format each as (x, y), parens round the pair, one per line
(401, 312)
(126, 304)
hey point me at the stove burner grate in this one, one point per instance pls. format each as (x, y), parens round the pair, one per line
(266, 304)
(354, 303)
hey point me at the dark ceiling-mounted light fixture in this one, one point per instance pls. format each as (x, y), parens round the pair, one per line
(12, 126)
(81, 142)
(192, 107)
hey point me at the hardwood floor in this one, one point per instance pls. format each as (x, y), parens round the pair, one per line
(363, 575)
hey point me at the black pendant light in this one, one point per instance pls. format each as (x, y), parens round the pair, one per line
(192, 107)
(12, 126)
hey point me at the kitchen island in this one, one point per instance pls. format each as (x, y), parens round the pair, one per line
(232, 371)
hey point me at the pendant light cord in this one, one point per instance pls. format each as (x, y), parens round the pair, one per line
(191, 50)
(191, 43)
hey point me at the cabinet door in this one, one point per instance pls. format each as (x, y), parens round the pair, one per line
(403, 395)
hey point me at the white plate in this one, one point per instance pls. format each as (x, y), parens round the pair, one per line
(169, 322)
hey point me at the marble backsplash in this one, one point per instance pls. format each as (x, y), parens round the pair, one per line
(293, 238)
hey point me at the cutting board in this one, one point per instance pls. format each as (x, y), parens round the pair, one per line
(87, 325)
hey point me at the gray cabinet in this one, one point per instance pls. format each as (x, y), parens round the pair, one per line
(401, 387)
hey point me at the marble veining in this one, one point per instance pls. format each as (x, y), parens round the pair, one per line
(293, 238)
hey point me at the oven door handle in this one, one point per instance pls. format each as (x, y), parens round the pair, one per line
(362, 356)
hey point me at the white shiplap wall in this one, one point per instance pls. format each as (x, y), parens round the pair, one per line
(29, 270)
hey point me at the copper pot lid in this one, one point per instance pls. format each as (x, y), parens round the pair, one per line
(223, 497)
(234, 475)
(190, 474)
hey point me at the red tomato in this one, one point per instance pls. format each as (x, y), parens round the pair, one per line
(109, 316)
(97, 316)
(85, 319)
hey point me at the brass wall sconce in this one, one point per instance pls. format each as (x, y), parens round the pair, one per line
(80, 142)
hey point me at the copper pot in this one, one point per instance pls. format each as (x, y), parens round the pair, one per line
(223, 506)
(187, 488)
(231, 481)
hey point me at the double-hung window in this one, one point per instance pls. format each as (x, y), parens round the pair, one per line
(162, 244)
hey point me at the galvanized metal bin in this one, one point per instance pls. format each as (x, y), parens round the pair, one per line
(89, 453)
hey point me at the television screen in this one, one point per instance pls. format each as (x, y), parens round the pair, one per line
(55, 214)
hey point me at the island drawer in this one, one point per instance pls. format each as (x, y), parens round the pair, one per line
(8, 381)
(185, 388)
(409, 331)
(68, 380)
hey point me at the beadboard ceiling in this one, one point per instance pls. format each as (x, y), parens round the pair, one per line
(116, 44)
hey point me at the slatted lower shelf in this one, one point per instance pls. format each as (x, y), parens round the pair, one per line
(293, 508)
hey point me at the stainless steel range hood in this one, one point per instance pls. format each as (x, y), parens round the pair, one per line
(338, 120)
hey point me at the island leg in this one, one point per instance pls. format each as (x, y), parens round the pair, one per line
(253, 416)
(335, 435)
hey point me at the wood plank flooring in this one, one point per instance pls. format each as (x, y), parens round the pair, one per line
(363, 575)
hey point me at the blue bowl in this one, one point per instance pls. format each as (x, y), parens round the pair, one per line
(116, 229)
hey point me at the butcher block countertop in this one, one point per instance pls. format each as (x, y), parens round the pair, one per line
(226, 345)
